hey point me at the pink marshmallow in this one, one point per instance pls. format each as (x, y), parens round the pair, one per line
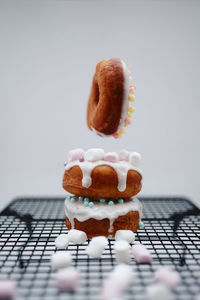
(112, 289)
(111, 157)
(68, 279)
(117, 282)
(8, 289)
(127, 121)
(75, 154)
(167, 276)
(141, 254)
(124, 155)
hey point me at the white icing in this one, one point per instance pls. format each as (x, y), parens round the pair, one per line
(120, 167)
(125, 102)
(100, 211)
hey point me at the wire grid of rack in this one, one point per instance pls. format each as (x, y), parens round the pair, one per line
(37, 281)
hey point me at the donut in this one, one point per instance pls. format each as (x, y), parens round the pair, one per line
(103, 186)
(102, 218)
(109, 106)
(102, 178)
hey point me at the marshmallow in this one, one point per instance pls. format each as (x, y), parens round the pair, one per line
(75, 154)
(68, 279)
(60, 260)
(77, 236)
(168, 277)
(158, 291)
(135, 158)
(61, 241)
(117, 282)
(8, 289)
(94, 154)
(125, 235)
(122, 251)
(96, 246)
(111, 157)
(124, 155)
(141, 254)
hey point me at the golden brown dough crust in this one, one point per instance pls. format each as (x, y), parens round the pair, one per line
(93, 227)
(104, 183)
(106, 97)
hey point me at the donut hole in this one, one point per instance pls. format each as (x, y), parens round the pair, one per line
(96, 98)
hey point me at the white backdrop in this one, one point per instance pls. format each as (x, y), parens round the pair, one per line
(48, 54)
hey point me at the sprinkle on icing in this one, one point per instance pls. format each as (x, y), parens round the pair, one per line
(121, 167)
(100, 211)
(92, 201)
(129, 98)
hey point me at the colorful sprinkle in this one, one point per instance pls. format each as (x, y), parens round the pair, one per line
(129, 115)
(81, 159)
(131, 90)
(120, 201)
(111, 203)
(80, 198)
(131, 109)
(131, 98)
(91, 204)
(115, 135)
(86, 199)
(132, 200)
(65, 163)
(122, 131)
(102, 200)
(141, 225)
(127, 121)
(73, 200)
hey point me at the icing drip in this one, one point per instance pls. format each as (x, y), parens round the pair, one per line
(100, 211)
(121, 168)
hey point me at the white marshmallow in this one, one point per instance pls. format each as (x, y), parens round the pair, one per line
(158, 291)
(77, 236)
(125, 235)
(123, 273)
(96, 246)
(117, 282)
(8, 289)
(68, 279)
(61, 241)
(135, 158)
(124, 155)
(94, 154)
(61, 260)
(122, 251)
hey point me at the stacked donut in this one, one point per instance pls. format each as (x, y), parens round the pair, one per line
(103, 187)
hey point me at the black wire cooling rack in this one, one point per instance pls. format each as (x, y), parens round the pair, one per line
(36, 280)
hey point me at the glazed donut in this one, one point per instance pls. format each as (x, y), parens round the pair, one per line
(105, 176)
(102, 219)
(109, 108)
